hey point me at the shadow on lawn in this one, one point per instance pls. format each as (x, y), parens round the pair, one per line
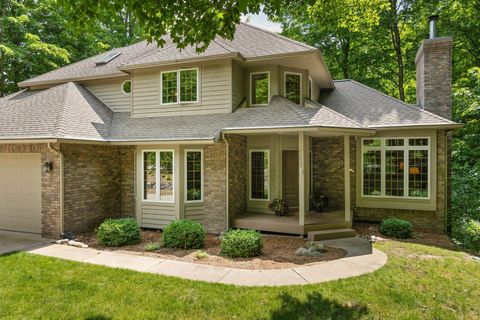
(316, 307)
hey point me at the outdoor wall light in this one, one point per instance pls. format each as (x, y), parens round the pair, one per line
(47, 166)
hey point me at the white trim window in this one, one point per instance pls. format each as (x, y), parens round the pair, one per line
(259, 88)
(127, 87)
(259, 172)
(158, 175)
(396, 167)
(292, 86)
(179, 86)
(193, 176)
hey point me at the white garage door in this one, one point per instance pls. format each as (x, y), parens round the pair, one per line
(20, 192)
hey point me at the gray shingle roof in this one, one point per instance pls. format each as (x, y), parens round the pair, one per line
(65, 111)
(249, 42)
(374, 109)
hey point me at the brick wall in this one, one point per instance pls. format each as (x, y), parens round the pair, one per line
(50, 185)
(237, 167)
(215, 187)
(98, 184)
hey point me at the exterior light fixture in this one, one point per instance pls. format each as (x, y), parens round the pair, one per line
(47, 166)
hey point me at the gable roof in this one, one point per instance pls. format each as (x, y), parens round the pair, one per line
(65, 111)
(249, 42)
(374, 109)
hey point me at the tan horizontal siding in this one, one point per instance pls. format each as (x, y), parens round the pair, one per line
(157, 215)
(194, 211)
(215, 92)
(237, 85)
(109, 91)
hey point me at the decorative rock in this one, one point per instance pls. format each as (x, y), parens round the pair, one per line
(84, 245)
(71, 242)
(308, 252)
(476, 258)
(61, 241)
(315, 246)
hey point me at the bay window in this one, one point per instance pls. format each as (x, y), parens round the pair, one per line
(293, 86)
(259, 88)
(396, 167)
(179, 86)
(194, 175)
(259, 174)
(158, 180)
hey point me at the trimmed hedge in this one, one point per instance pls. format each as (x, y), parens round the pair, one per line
(470, 234)
(396, 228)
(184, 234)
(118, 232)
(241, 243)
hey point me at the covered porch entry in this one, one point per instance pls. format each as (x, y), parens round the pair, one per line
(295, 166)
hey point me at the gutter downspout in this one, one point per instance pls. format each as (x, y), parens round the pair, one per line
(60, 154)
(227, 179)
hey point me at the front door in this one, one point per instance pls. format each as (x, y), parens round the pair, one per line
(290, 177)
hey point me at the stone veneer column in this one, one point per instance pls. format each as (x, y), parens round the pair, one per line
(237, 174)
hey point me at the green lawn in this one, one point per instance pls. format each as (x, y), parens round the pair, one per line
(417, 282)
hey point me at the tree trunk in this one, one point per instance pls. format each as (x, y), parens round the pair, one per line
(397, 45)
(345, 58)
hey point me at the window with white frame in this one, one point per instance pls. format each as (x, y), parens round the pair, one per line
(194, 175)
(293, 86)
(259, 88)
(259, 174)
(396, 167)
(158, 180)
(179, 86)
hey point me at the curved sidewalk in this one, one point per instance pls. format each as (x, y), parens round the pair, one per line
(349, 266)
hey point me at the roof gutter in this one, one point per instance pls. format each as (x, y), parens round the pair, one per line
(312, 129)
(452, 126)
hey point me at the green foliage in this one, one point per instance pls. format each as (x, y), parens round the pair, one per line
(468, 233)
(396, 228)
(118, 232)
(184, 234)
(241, 243)
(153, 246)
(279, 206)
(201, 254)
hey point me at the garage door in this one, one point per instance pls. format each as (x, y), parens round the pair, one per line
(20, 192)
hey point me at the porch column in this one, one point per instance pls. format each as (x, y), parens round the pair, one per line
(301, 178)
(346, 161)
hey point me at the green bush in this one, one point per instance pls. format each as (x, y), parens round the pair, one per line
(184, 234)
(470, 235)
(118, 232)
(241, 243)
(396, 228)
(153, 246)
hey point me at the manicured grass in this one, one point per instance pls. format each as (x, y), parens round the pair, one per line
(418, 282)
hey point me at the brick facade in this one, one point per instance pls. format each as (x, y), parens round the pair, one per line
(237, 174)
(98, 184)
(51, 202)
(215, 187)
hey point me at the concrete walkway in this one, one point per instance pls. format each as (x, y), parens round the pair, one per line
(15, 241)
(350, 266)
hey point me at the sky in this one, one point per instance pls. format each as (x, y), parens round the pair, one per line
(260, 20)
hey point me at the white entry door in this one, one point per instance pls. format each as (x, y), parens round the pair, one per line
(20, 192)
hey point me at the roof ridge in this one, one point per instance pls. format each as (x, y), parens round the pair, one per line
(59, 123)
(34, 94)
(146, 55)
(403, 102)
(224, 46)
(279, 36)
(337, 113)
(291, 108)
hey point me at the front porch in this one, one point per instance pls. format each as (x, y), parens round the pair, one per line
(314, 221)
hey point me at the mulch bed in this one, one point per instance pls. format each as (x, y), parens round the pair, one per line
(277, 252)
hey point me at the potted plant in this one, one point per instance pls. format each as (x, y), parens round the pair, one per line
(319, 202)
(279, 207)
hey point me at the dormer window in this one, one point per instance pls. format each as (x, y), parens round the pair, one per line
(259, 88)
(127, 87)
(184, 79)
(293, 86)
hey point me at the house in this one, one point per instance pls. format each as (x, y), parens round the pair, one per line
(162, 134)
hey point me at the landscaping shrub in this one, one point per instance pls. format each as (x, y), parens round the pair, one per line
(470, 235)
(396, 228)
(184, 234)
(118, 232)
(241, 243)
(153, 246)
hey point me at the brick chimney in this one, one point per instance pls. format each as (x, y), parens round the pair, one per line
(434, 72)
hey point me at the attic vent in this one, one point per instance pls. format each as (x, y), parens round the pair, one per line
(107, 58)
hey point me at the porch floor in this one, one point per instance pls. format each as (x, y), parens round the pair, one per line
(314, 221)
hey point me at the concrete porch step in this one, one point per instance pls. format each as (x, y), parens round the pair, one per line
(331, 234)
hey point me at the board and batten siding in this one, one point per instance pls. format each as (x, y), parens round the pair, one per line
(215, 81)
(109, 91)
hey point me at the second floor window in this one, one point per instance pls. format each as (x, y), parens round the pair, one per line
(179, 86)
(293, 87)
(259, 88)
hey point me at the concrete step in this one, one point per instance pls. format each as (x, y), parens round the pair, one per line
(331, 234)
(328, 226)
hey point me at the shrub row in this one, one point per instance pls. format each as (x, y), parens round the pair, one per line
(396, 228)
